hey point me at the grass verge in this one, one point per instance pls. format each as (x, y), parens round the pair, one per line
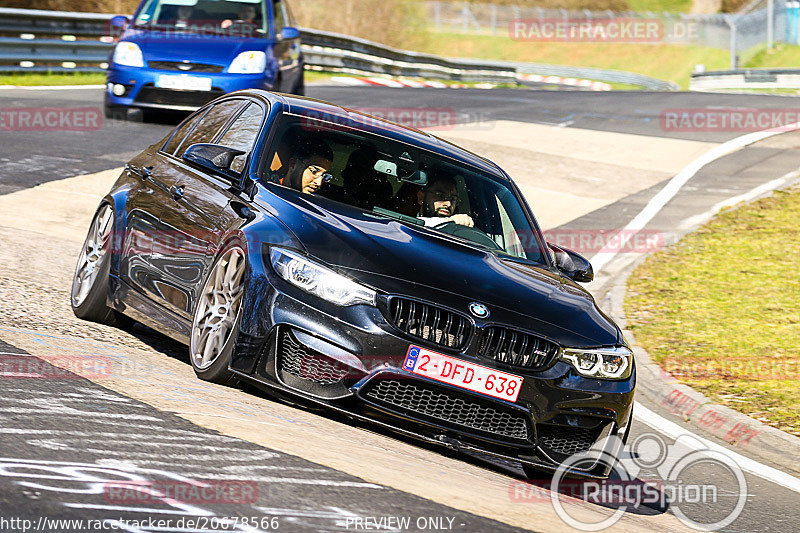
(29, 79)
(719, 310)
(657, 6)
(665, 62)
(782, 55)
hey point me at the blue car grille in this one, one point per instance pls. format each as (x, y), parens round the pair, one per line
(185, 67)
(517, 348)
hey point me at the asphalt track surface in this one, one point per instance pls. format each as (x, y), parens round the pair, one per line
(58, 435)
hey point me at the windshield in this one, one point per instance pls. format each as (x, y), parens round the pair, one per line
(401, 181)
(244, 18)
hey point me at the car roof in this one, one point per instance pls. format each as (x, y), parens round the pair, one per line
(321, 110)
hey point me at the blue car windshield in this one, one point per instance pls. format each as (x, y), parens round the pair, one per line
(402, 181)
(237, 18)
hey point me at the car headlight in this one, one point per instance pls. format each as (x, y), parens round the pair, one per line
(603, 363)
(318, 280)
(128, 54)
(252, 62)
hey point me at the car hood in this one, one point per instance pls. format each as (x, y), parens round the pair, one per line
(397, 258)
(215, 50)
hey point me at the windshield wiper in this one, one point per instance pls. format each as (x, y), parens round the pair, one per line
(416, 221)
(398, 216)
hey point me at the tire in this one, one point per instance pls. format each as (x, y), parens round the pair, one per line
(90, 283)
(115, 112)
(215, 324)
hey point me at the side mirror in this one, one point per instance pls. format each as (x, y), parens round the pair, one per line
(572, 264)
(119, 21)
(216, 159)
(290, 33)
(117, 25)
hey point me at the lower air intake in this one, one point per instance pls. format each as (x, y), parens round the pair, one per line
(444, 406)
(567, 440)
(304, 363)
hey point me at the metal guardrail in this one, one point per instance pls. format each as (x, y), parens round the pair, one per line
(756, 78)
(324, 50)
(333, 51)
(65, 41)
(606, 75)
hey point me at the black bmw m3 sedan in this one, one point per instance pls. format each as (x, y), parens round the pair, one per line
(376, 270)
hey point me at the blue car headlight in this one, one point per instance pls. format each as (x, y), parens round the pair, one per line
(319, 280)
(251, 62)
(603, 363)
(128, 54)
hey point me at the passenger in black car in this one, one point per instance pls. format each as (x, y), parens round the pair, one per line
(308, 165)
(438, 201)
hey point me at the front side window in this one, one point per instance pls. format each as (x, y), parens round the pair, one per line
(180, 132)
(403, 182)
(280, 16)
(290, 20)
(209, 125)
(242, 134)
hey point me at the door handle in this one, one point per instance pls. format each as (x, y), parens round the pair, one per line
(142, 172)
(177, 191)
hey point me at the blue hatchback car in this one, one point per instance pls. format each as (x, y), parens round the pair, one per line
(181, 54)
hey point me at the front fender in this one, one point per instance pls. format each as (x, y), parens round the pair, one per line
(263, 231)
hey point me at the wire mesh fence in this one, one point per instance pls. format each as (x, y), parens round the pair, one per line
(737, 33)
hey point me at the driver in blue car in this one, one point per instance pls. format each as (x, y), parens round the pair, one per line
(438, 201)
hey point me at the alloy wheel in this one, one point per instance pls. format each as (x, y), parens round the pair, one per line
(217, 309)
(93, 255)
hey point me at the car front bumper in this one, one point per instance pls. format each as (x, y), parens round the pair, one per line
(141, 89)
(351, 358)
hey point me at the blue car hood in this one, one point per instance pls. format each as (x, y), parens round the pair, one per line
(396, 257)
(214, 50)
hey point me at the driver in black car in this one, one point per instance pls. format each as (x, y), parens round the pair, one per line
(438, 202)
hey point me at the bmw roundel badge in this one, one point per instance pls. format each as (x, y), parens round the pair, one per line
(479, 310)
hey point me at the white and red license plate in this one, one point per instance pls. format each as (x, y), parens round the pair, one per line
(183, 82)
(463, 374)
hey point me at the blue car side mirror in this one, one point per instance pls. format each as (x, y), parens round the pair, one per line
(119, 21)
(290, 33)
(117, 25)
